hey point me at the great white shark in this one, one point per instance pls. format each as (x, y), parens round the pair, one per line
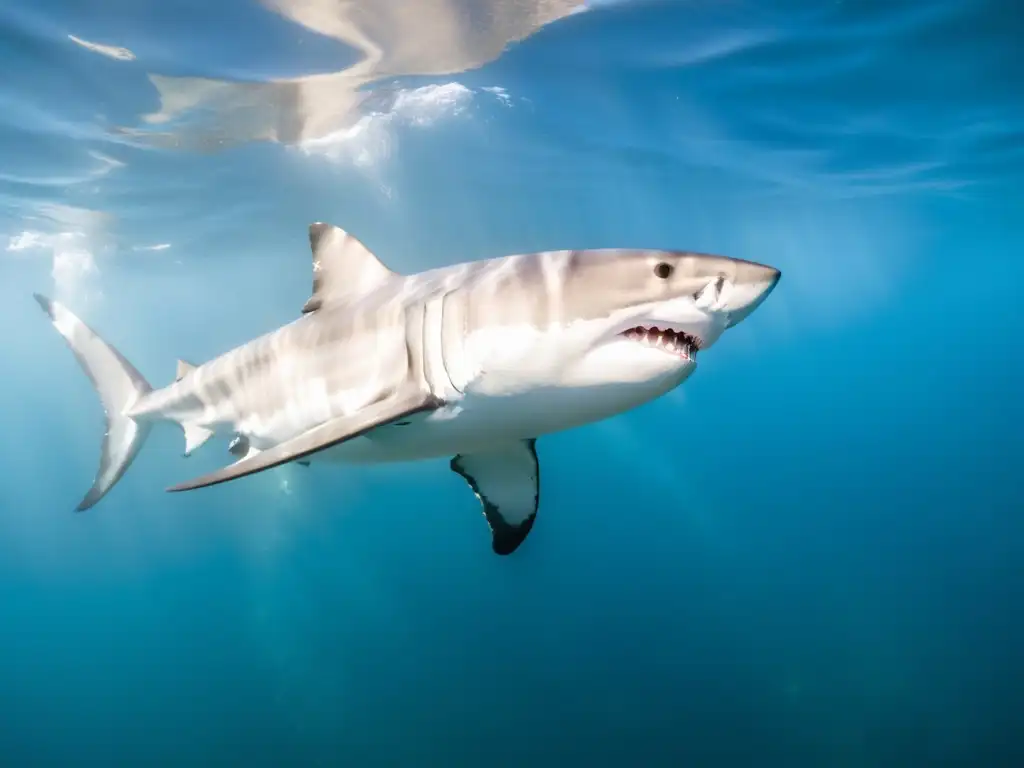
(473, 361)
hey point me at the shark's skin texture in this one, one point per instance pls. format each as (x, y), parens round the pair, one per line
(473, 361)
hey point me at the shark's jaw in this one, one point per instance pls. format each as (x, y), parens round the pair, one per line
(672, 341)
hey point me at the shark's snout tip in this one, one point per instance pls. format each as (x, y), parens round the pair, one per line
(765, 274)
(754, 287)
(764, 278)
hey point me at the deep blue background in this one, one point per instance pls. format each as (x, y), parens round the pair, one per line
(812, 554)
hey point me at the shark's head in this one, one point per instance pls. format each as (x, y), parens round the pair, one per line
(629, 322)
(645, 316)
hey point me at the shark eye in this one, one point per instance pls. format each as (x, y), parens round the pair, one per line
(663, 270)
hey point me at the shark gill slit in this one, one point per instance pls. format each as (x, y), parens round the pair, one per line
(445, 347)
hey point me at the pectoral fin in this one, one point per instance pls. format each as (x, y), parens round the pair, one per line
(317, 439)
(506, 479)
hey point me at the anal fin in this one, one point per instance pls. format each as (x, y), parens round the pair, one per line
(506, 480)
(317, 439)
(195, 436)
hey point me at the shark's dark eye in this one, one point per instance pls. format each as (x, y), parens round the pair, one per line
(663, 270)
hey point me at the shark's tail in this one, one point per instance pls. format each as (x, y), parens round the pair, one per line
(119, 386)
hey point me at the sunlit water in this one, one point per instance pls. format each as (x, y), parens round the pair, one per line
(809, 555)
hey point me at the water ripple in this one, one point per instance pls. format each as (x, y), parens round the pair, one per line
(833, 100)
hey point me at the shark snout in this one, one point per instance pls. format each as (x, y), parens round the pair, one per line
(750, 287)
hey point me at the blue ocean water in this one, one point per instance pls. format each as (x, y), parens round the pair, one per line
(811, 554)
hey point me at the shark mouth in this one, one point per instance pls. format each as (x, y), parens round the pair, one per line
(678, 343)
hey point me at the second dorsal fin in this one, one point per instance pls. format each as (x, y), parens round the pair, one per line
(342, 266)
(184, 369)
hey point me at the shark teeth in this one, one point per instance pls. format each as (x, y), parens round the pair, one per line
(678, 343)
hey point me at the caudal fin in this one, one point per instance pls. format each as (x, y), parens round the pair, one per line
(119, 386)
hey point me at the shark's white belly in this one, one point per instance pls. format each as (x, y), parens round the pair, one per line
(478, 421)
(462, 427)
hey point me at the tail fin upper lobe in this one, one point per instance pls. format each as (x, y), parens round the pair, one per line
(119, 386)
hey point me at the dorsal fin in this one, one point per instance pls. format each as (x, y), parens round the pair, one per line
(184, 369)
(342, 266)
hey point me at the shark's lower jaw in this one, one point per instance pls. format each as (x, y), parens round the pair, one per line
(679, 343)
